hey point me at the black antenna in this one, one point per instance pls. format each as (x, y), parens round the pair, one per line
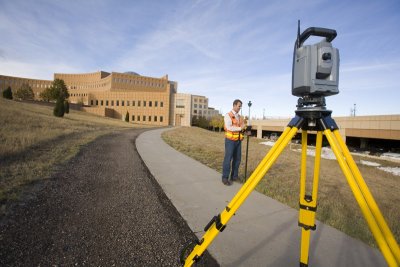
(298, 34)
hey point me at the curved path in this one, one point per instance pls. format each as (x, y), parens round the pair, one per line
(102, 208)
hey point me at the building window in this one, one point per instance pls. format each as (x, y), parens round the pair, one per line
(101, 102)
(195, 105)
(91, 102)
(161, 118)
(156, 104)
(107, 103)
(161, 104)
(144, 103)
(112, 103)
(149, 118)
(144, 118)
(133, 103)
(150, 103)
(155, 118)
(138, 103)
(122, 103)
(180, 103)
(127, 103)
(97, 102)
(133, 117)
(138, 118)
(117, 103)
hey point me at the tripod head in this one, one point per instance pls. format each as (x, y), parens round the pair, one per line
(315, 71)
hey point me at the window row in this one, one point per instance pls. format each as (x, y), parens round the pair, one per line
(78, 94)
(200, 100)
(20, 83)
(200, 106)
(149, 118)
(128, 103)
(201, 112)
(138, 82)
(88, 86)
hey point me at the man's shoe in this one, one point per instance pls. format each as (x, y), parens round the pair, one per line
(226, 182)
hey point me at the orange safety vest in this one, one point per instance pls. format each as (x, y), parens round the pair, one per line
(234, 136)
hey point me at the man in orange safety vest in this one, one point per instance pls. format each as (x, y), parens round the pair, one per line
(234, 127)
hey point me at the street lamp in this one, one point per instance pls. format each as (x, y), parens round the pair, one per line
(354, 110)
(249, 104)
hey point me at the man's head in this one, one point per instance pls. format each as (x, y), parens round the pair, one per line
(237, 105)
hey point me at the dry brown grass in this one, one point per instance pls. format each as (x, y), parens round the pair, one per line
(336, 205)
(33, 142)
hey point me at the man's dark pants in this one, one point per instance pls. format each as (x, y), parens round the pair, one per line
(233, 153)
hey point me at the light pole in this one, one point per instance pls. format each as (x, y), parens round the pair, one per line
(354, 110)
(248, 133)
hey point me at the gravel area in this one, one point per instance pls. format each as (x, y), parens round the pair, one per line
(102, 208)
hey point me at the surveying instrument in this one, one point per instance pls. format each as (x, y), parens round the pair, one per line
(315, 75)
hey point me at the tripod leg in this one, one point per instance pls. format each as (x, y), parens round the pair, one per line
(246, 189)
(343, 159)
(308, 203)
(218, 223)
(247, 154)
(369, 198)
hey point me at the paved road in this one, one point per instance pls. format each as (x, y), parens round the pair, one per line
(103, 208)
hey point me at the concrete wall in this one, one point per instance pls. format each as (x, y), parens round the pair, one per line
(379, 127)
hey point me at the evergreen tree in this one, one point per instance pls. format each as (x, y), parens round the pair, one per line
(59, 89)
(59, 108)
(127, 117)
(25, 92)
(56, 90)
(46, 95)
(8, 93)
(66, 106)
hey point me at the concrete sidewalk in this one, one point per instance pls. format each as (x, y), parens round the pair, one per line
(263, 232)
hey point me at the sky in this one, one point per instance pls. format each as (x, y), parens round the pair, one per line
(223, 50)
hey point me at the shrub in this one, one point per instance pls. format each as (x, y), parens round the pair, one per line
(8, 93)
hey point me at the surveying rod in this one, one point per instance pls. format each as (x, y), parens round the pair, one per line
(248, 133)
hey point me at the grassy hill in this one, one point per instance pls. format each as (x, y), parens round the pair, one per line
(33, 142)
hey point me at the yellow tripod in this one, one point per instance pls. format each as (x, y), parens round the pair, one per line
(320, 121)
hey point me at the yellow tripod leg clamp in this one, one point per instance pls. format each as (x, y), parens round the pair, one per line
(307, 215)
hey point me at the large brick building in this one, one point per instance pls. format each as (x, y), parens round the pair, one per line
(147, 100)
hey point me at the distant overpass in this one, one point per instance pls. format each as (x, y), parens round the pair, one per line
(363, 128)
